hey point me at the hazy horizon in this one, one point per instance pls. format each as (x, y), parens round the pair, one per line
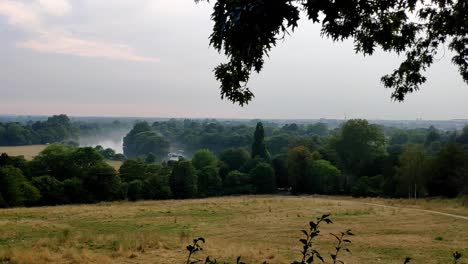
(123, 58)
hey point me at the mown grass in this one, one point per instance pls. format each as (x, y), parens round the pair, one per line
(256, 227)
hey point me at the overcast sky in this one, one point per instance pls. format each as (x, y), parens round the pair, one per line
(152, 58)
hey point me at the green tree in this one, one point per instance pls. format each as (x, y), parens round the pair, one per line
(234, 158)
(411, 172)
(203, 158)
(259, 147)
(446, 178)
(102, 183)
(135, 190)
(51, 189)
(357, 145)
(11, 186)
(209, 182)
(299, 160)
(263, 178)
(238, 183)
(324, 178)
(245, 31)
(184, 180)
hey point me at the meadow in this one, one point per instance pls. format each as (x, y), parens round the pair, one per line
(30, 151)
(258, 228)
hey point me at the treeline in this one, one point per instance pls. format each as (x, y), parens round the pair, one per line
(357, 159)
(191, 135)
(57, 128)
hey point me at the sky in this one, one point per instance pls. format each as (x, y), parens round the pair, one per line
(152, 58)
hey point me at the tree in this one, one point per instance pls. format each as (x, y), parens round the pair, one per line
(258, 147)
(135, 190)
(263, 178)
(183, 180)
(233, 159)
(209, 182)
(299, 160)
(238, 183)
(324, 178)
(446, 178)
(12, 187)
(51, 189)
(411, 172)
(280, 165)
(142, 140)
(102, 183)
(203, 158)
(246, 30)
(357, 144)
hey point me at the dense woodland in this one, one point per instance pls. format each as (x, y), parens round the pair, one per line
(358, 158)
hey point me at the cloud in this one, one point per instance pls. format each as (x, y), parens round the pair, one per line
(19, 15)
(56, 38)
(62, 44)
(55, 7)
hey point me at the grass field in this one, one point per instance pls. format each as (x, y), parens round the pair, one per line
(256, 227)
(29, 152)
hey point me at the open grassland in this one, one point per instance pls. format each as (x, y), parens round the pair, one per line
(29, 152)
(256, 227)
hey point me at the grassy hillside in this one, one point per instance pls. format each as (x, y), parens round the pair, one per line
(256, 227)
(29, 152)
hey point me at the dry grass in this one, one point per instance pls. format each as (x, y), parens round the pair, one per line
(256, 227)
(29, 152)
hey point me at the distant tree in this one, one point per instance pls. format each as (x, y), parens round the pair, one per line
(368, 186)
(150, 158)
(30, 194)
(278, 144)
(259, 146)
(74, 191)
(280, 165)
(133, 169)
(12, 186)
(319, 129)
(400, 137)
(135, 190)
(357, 144)
(234, 158)
(446, 179)
(51, 189)
(238, 183)
(142, 140)
(411, 172)
(159, 183)
(263, 178)
(209, 182)
(54, 160)
(102, 183)
(203, 158)
(433, 135)
(324, 178)
(183, 180)
(299, 161)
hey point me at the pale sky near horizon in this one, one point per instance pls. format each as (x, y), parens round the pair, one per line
(152, 58)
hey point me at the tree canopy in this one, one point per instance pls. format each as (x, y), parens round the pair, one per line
(246, 30)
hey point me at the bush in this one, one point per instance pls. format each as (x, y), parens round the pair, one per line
(135, 190)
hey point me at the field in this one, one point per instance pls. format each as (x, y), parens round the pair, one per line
(29, 152)
(256, 227)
